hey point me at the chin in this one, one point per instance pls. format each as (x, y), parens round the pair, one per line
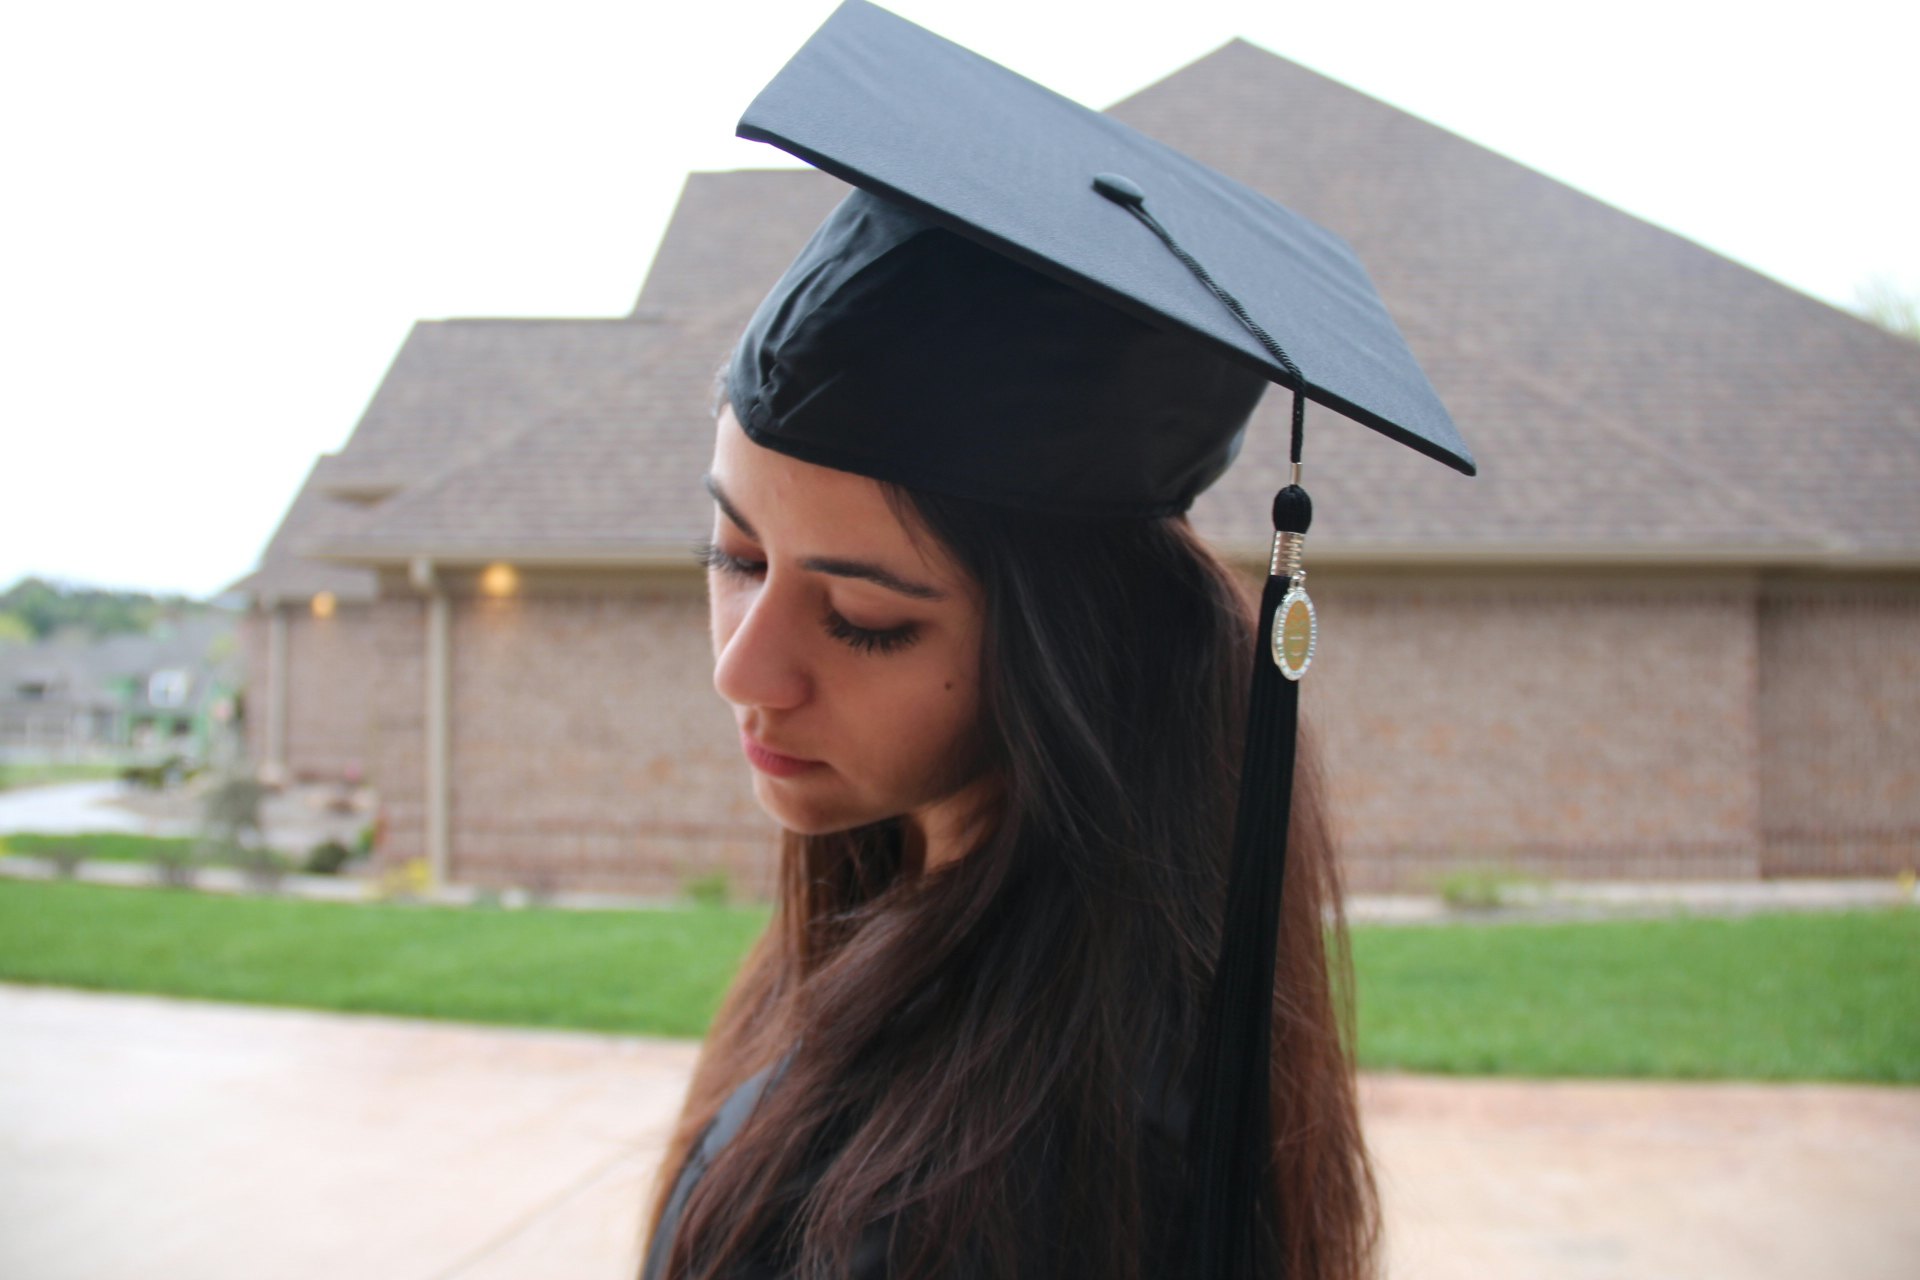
(799, 816)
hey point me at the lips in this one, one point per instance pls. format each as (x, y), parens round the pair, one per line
(773, 762)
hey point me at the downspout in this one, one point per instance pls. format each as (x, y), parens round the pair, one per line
(439, 699)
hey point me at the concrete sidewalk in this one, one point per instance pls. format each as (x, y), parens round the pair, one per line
(153, 1138)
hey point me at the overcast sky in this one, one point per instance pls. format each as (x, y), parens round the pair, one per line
(220, 219)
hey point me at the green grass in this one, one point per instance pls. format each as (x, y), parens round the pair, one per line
(1775, 997)
(1784, 997)
(15, 776)
(111, 846)
(650, 972)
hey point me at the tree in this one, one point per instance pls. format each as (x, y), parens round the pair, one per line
(46, 607)
(1882, 301)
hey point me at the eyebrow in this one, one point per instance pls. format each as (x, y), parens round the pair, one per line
(863, 570)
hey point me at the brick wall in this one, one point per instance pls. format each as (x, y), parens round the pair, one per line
(1583, 724)
(1574, 725)
(1840, 726)
(331, 674)
(587, 747)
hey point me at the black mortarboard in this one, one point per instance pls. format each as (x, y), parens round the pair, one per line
(1028, 303)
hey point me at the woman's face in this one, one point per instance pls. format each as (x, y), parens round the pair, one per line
(848, 649)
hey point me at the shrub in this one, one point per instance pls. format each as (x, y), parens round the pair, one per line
(175, 865)
(1484, 888)
(402, 883)
(710, 890)
(327, 859)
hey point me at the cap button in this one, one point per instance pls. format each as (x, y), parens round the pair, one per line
(1120, 190)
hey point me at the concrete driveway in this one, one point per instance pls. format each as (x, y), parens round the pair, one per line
(82, 806)
(163, 1139)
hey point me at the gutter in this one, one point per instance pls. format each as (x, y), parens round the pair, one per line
(1834, 555)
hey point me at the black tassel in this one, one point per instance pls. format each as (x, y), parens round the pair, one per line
(1230, 1147)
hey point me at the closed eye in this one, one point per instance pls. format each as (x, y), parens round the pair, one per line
(714, 558)
(867, 640)
(862, 639)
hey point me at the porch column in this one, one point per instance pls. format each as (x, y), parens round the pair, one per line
(277, 692)
(439, 699)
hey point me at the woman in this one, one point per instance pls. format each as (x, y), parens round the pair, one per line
(1002, 746)
(1010, 1017)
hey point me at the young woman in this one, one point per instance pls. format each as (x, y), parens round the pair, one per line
(1003, 747)
(1011, 1015)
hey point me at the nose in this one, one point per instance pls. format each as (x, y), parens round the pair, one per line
(757, 663)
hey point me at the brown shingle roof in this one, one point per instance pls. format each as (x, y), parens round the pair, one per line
(1628, 392)
(1618, 382)
(731, 236)
(459, 388)
(579, 439)
(283, 574)
(605, 467)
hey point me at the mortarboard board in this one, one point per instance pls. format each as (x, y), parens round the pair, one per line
(1026, 302)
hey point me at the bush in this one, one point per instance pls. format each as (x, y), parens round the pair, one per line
(263, 867)
(1484, 888)
(327, 859)
(402, 882)
(176, 865)
(711, 890)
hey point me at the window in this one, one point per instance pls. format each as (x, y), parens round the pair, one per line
(168, 688)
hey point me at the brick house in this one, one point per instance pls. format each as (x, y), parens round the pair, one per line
(1673, 629)
(165, 692)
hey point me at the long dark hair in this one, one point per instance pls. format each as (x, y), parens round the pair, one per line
(972, 1048)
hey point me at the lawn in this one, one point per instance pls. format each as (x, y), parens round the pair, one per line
(653, 972)
(1771, 997)
(1783, 997)
(14, 777)
(108, 846)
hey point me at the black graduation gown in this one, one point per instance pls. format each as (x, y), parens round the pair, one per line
(1167, 1120)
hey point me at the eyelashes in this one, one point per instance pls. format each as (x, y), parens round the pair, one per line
(710, 555)
(867, 640)
(860, 639)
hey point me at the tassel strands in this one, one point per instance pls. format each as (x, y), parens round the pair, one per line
(1230, 1146)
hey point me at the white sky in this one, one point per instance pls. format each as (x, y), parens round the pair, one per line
(218, 220)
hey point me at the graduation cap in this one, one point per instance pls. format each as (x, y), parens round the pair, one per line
(1028, 303)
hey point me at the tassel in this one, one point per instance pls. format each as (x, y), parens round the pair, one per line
(1230, 1147)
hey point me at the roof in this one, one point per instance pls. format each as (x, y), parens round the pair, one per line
(605, 465)
(1621, 384)
(283, 574)
(731, 236)
(1631, 394)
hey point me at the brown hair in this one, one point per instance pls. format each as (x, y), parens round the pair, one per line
(972, 1048)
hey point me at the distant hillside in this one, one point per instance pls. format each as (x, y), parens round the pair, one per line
(34, 608)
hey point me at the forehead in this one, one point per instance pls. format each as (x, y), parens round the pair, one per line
(817, 510)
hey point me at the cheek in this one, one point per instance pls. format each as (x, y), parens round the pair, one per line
(724, 611)
(930, 718)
